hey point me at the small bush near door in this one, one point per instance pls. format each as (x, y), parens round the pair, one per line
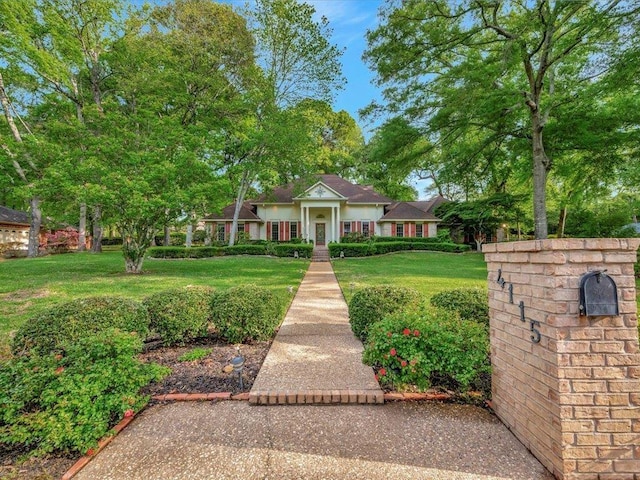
(372, 304)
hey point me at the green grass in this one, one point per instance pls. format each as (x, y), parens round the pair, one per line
(427, 272)
(29, 286)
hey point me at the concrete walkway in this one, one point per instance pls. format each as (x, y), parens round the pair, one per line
(315, 358)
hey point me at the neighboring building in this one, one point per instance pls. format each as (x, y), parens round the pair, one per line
(14, 226)
(325, 211)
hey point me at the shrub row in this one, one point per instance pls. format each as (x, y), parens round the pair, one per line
(177, 315)
(379, 248)
(411, 344)
(277, 249)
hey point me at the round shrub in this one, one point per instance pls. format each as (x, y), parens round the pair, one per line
(469, 303)
(372, 304)
(180, 314)
(63, 324)
(246, 312)
(415, 348)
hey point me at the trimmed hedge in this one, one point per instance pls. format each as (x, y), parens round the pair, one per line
(372, 304)
(246, 313)
(350, 249)
(184, 252)
(470, 303)
(48, 332)
(288, 250)
(180, 314)
(246, 250)
(380, 248)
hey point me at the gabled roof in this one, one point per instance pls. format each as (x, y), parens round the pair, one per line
(422, 210)
(16, 217)
(246, 213)
(352, 192)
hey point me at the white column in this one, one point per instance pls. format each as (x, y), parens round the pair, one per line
(301, 233)
(333, 224)
(307, 224)
(338, 225)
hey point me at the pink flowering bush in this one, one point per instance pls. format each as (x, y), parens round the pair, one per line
(414, 348)
(62, 241)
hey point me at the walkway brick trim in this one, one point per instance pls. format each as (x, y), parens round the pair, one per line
(316, 397)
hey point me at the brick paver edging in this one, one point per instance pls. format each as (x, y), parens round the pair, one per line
(80, 464)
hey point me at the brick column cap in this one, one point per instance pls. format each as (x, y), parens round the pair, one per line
(551, 244)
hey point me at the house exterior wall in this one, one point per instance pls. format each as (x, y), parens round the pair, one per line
(14, 233)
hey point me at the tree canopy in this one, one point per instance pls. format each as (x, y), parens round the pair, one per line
(509, 91)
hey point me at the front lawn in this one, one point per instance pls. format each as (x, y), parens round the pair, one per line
(427, 272)
(29, 286)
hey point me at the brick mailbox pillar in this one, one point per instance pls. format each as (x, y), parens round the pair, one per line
(568, 386)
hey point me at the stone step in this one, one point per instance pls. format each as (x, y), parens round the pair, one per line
(316, 397)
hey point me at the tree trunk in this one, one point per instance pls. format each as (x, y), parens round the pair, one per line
(34, 227)
(97, 229)
(189, 239)
(540, 169)
(82, 228)
(562, 221)
(242, 191)
(167, 236)
(135, 241)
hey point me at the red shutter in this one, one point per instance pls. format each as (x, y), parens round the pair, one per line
(393, 229)
(413, 229)
(372, 229)
(359, 227)
(342, 229)
(227, 228)
(287, 231)
(268, 231)
(246, 227)
(299, 229)
(406, 230)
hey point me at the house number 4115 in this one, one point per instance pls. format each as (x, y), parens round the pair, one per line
(535, 333)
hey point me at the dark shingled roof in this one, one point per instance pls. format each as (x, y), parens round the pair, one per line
(352, 192)
(246, 213)
(8, 215)
(422, 210)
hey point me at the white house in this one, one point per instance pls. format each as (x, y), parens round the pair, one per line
(326, 211)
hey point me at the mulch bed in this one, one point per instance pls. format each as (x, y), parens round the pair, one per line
(199, 376)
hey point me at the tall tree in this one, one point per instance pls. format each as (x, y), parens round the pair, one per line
(61, 45)
(506, 71)
(297, 62)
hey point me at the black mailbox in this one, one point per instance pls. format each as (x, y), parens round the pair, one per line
(598, 295)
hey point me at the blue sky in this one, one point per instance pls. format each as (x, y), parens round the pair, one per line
(350, 20)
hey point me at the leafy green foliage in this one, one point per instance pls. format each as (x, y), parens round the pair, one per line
(197, 353)
(184, 252)
(288, 250)
(413, 348)
(50, 331)
(67, 403)
(372, 304)
(246, 249)
(245, 313)
(470, 303)
(180, 314)
(382, 247)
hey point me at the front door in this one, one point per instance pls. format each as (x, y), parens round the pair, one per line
(320, 235)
